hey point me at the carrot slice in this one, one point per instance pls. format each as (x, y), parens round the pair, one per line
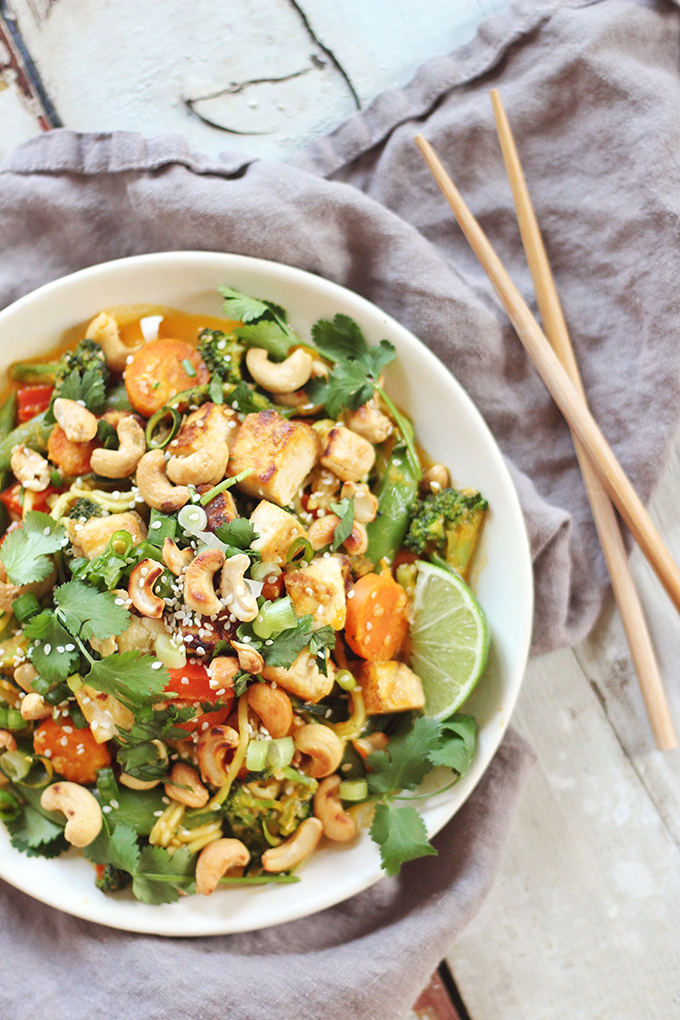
(377, 617)
(157, 373)
(74, 754)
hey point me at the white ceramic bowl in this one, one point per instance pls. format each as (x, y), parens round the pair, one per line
(448, 426)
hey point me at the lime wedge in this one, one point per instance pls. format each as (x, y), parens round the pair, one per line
(449, 639)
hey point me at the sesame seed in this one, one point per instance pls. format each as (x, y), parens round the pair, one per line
(64, 741)
(47, 752)
(67, 729)
(69, 648)
(119, 602)
(156, 525)
(157, 814)
(48, 649)
(369, 625)
(106, 808)
(114, 804)
(350, 594)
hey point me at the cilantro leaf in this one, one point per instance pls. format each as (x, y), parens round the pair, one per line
(405, 763)
(339, 339)
(345, 511)
(238, 533)
(247, 400)
(89, 613)
(347, 386)
(285, 648)
(36, 835)
(130, 676)
(87, 386)
(401, 835)
(322, 639)
(241, 308)
(457, 744)
(54, 655)
(156, 861)
(268, 335)
(26, 549)
(119, 849)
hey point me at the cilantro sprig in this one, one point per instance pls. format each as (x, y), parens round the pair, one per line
(400, 831)
(345, 511)
(264, 326)
(26, 549)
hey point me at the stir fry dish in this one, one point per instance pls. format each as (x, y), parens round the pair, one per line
(235, 619)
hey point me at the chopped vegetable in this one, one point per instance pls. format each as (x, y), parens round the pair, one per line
(156, 374)
(448, 523)
(377, 617)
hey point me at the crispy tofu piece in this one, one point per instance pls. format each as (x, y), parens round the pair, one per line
(210, 425)
(275, 529)
(390, 687)
(319, 589)
(347, 454)
(104, 713)
(304, 679)
(141, 634)
(281, 453)
(93, 536)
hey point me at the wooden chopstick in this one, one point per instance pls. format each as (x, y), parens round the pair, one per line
(563, 392)
(608, 530)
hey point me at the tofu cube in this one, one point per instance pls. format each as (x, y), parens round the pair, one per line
(275, 529)
(347, 454)
(390, 687)
(304, 679)
(93, 536)
(210, 425)
(319, 589)
(281, 453)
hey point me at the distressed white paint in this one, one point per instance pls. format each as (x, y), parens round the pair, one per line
(135, 66)
(17, 122)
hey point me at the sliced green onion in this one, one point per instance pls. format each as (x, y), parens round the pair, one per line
(121, 542)
(188, 368)
(261, 571)
(171, 654)
(353, 789)
(15, 765)
(281, 752)
(345, 679)
(256, 755)
(300, 545)
(76, 713)
(39, 774)
(11, 719)
(270, 837)
(9, 806)
(299, 777)
(25, 607)
(40, 685)
(59, 693)
(161, 526)
(192, 518)
(216, 390)
(55, 478)
(259, 880)
(208, 496)
(159, 432)
(74, 682)
(279, 615)
(149, 551)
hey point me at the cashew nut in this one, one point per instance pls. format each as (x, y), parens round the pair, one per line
(140, 589)
(137, 784)
(365, 503)
(356, 542)
(104, 330)
(105, 646)
(222, 671)
(7, 741)
(216, 859)
(369, 422)
(204, 467)
(214, 751)
(199, 592)
(337, 823)
(435, 478)
(79, 424)
(322, 745)
(33, 707)
(301, 844)
(237, 597)
(24, 675)
(181, 777)
(154, 487)
(285, 377)
(30, 468)
(80, 807)
(320, 532)
(122, 462)
(176, 559)
(273, 706)
(249, 659)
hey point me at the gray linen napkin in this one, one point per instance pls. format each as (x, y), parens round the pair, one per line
(593, 94)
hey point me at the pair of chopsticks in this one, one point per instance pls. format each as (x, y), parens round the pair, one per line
(605, 480)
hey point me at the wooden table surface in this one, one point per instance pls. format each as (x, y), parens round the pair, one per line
(584, 920)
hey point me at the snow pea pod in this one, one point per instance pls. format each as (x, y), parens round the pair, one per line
(7, 412)
(33, 433)
(397, 492)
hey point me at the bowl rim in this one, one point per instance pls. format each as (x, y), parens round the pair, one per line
(90, 909)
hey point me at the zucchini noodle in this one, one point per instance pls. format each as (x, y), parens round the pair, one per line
(115, 503)
(357, 720)
(239, 757)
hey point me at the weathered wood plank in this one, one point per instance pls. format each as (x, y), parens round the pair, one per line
(584, 920)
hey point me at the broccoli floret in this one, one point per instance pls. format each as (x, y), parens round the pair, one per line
(248, 816)
(110, 879)
(447, 523)
(222, 354)
(85, 508)
(82, 375)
